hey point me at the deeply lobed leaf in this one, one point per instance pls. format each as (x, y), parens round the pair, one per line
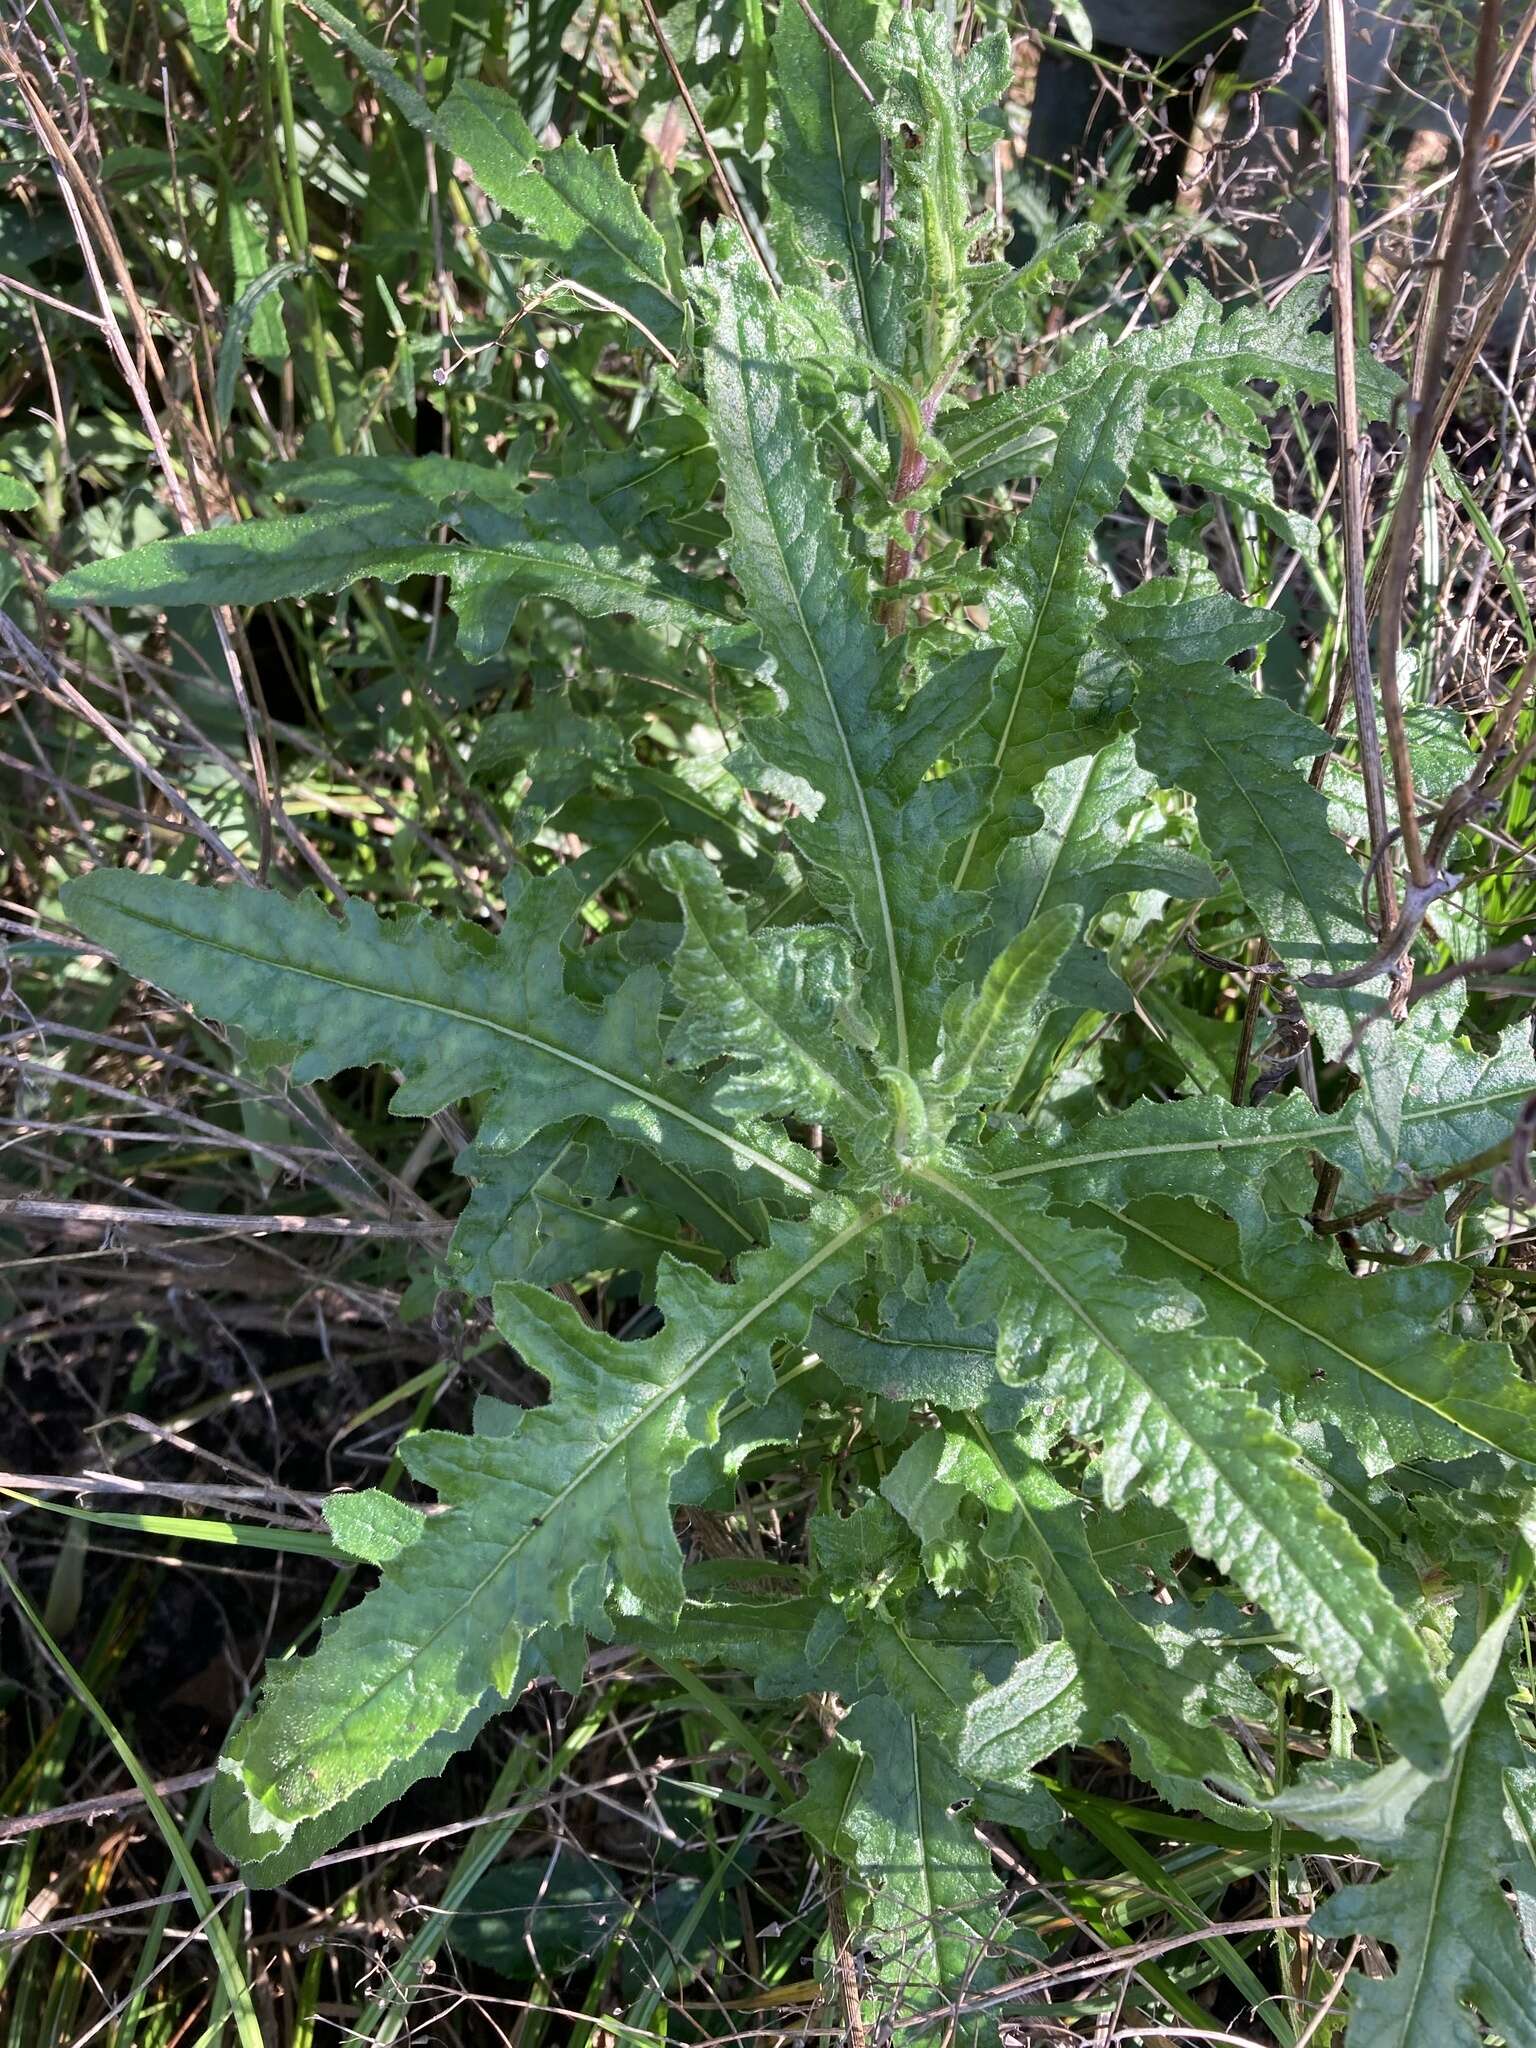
(546, 1505)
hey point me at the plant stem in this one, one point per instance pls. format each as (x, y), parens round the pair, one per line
(1351, 454)
(296, 222)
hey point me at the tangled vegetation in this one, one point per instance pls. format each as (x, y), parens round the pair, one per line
(756, 951)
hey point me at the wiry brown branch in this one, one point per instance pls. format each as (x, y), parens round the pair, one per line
(1351, 456)
(1429, 370)
(1512, 1153)
(114, 1216)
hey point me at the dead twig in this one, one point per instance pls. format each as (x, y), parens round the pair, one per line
(93, 231)
(1352, 453)
(1417, 903)
(728, 199)
(836, 48)
(26, 1208)
(1429, 365)
(41, 670)
(88, 1810)
(1513, 1150)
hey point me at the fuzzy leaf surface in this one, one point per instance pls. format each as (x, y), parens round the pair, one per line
(989, 1035)
(1044, 608)
(934, 1910)
(767, 1002)
(1241, 756)
(1202, 1147)
(1344, 1800)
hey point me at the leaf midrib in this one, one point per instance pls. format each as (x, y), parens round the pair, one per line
(1437, 1887)
(1123, 1220)
(798, 1046)
(610, 1448)
(1297, 893)
(330, 979)
(855, 782)
(554, 548)
(905, 1343)
(931, 1909)
(353, 557)
(1064, 533)
(1064, 832)
(1366, 1662)
(853, 226)
(993, 444)
(1063, 1162)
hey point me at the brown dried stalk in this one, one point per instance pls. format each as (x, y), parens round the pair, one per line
(1435, 327)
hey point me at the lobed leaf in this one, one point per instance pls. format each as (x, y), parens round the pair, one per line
(576, 210)
(826, 153)
(934, 1913)
(989, 1034)
(1114, 1674)
(457, 1012)
(1371, 1357)
(1174, 1418)
(1461, 1961)
(544, 1506)
(1087, 851)
(1044, 606)
(1344, 1800)
(1205, 1148)
(552, 543)
(767, 1001)
(791, 558)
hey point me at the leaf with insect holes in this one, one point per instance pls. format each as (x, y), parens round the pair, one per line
(890, 1799)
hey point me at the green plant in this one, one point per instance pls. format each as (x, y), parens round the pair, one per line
(1122, 1445)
